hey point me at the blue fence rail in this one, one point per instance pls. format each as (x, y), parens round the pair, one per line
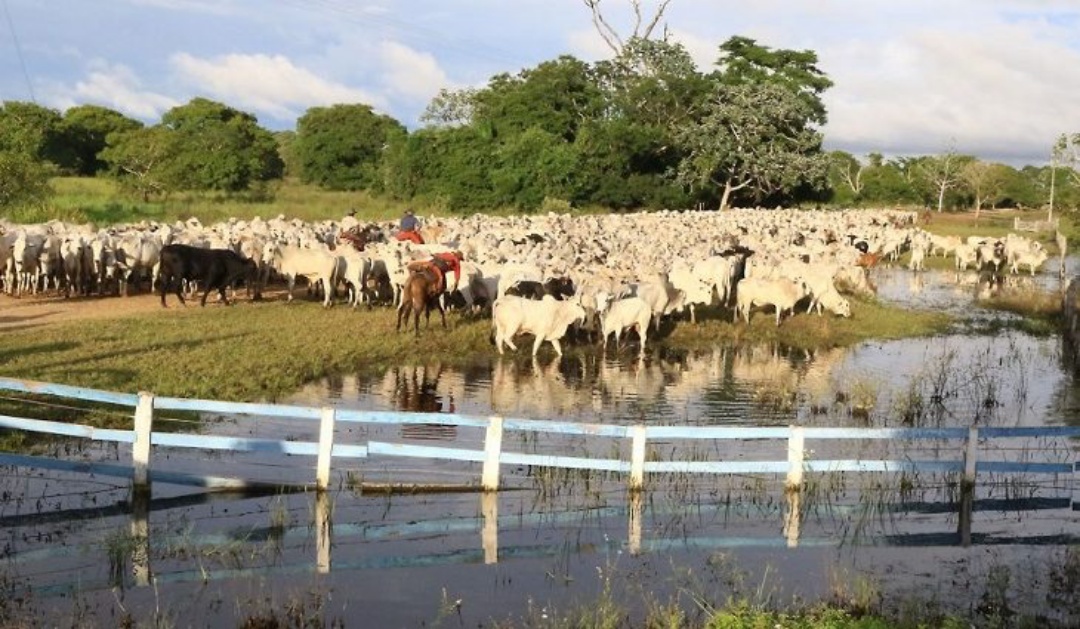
(493, 456)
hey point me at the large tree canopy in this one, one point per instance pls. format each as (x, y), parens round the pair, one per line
(36, 132)
(216, 147)
(752, 140)
(86, 129)
(341, 147)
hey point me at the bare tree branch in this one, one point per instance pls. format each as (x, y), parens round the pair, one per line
(656, 20)
(607, 33)
(611, 36)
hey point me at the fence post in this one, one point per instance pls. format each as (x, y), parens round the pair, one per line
(970, 456)
(326, 448)
(795, 456)
(637, 458)
(492, 449)
(140, 450)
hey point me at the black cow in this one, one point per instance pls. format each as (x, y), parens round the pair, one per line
(560, 288)
(215, 268)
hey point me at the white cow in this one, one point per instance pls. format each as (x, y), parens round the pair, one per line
(780, 293)
(1031, 260)
(624, 314)
(547, 319)
(314, 264)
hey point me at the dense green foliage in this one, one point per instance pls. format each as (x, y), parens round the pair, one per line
(341, 147)
(23, 181)
(646, 129)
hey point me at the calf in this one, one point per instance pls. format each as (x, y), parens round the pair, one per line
(215, 268)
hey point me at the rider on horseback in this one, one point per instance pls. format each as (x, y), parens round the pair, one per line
(439, 265)
(409, 228)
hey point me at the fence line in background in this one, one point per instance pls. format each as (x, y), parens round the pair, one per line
(493, 456)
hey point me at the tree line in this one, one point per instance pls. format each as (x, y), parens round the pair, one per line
(643, 130)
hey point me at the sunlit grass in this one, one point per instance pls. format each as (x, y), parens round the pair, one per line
(253, 351)
(870, 320)
(248, 351)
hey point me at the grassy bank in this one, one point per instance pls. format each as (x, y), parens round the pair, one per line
(254, 351)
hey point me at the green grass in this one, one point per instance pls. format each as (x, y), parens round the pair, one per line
(256, 351)
(870, 320)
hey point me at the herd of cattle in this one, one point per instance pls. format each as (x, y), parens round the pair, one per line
(535, 274)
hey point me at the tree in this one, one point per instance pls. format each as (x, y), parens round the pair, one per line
(612, 38)
(754, 138)
(450, 107)
(341, 147)
(36, 132)
(23, 181)
(942, 173)
(985, 181)
(86, 128)
(743, 61)
(846, 177)
(212, 146)
(139, 158)
(556, 96)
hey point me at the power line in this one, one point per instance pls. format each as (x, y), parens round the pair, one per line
(18, 52)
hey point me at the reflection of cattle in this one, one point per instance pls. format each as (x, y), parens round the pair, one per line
(214, 268)
(532, 389)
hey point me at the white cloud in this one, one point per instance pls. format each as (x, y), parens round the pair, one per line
(409, 74)
(265, 84)
(114, 86)
(1003, 91)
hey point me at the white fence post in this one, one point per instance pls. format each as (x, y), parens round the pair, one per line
(492, 450)
(140, 450)
(326, 448)
(795, 456)
(637, 458)
(970, 456)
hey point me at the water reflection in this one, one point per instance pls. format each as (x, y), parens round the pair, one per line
(952, 380)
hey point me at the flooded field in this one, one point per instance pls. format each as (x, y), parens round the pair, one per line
(78, 547)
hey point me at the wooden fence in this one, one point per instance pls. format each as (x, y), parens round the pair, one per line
(1036, 225)
(494, 455)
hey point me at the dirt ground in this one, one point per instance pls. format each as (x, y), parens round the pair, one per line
(33, 311)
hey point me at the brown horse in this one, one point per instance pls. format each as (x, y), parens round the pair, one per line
(421, 293)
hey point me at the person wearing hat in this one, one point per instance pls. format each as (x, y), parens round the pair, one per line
(409, 228)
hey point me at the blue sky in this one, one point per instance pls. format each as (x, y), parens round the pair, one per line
(996, 78)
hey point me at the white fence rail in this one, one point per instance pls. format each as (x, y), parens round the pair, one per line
(799, 458)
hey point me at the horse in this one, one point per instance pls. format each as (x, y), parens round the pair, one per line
(359, 238)
(421, 292)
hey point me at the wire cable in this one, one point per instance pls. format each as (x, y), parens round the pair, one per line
(18, 52)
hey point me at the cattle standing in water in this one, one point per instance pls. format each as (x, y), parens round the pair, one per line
(215, 268)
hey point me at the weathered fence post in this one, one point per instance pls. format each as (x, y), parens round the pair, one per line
(795, 456)
(492, 450)
(970, 456)
(637, 458)
(140, 449)
(326, 448)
